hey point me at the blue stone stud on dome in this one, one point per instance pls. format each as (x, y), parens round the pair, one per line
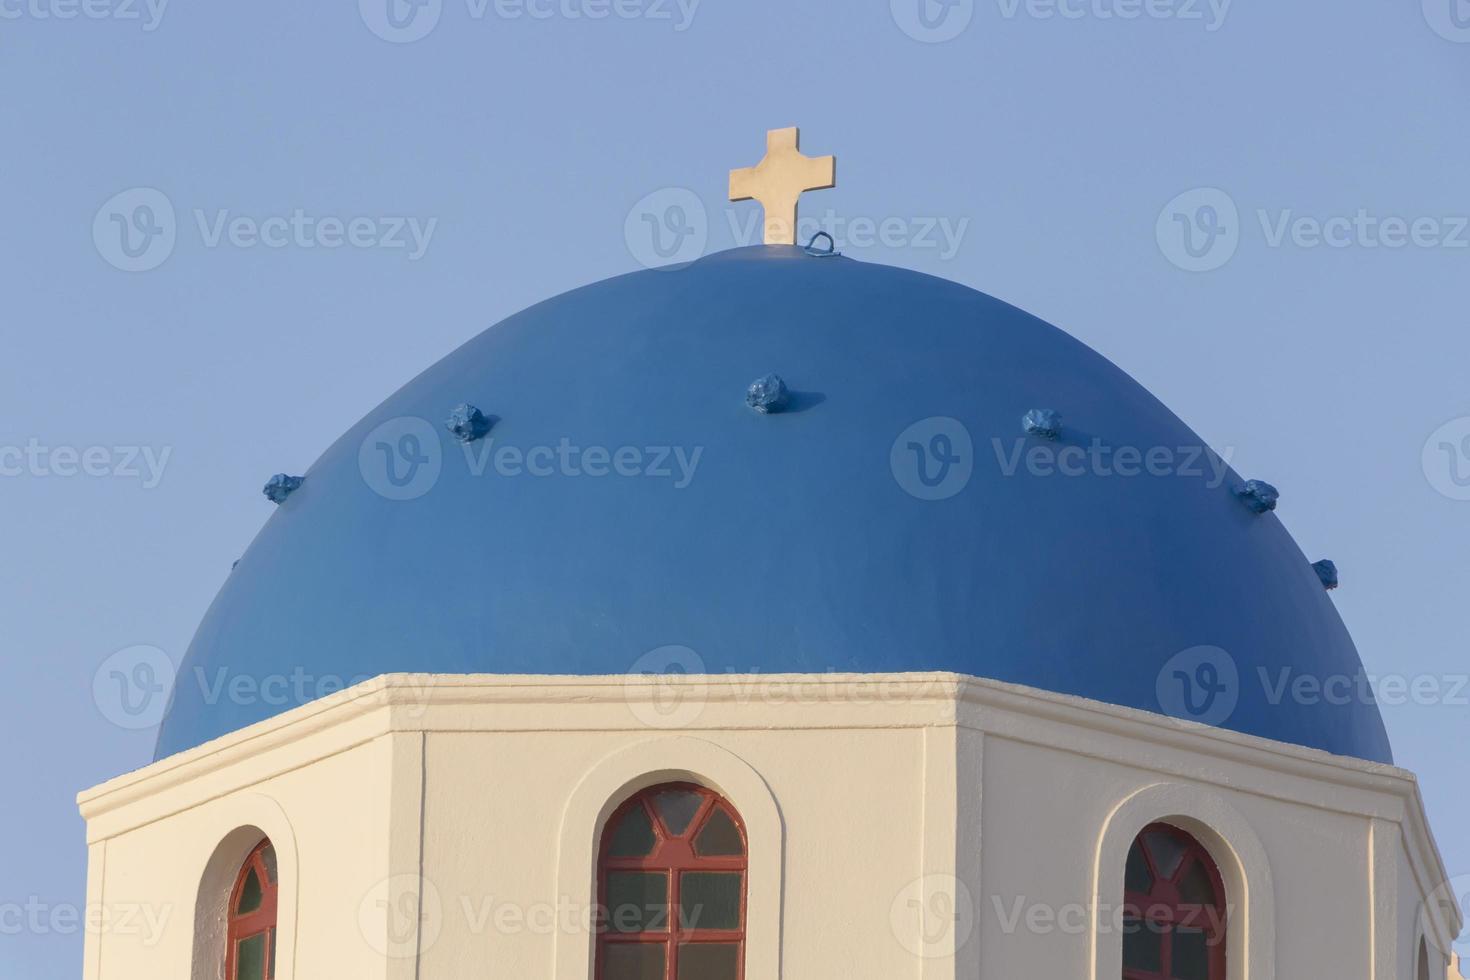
(767, 395)
(1258, 495)
(282, 486)
(1327, 572)
(468, 423)
(1042, 423)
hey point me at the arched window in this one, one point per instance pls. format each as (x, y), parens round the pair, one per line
(250, 953)
(1174, 909)
(671, 888)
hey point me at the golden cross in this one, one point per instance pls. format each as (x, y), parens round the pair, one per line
(779, 180)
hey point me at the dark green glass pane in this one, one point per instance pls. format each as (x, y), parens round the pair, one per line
(719, 838)
(676, 807)
(1191, 955)
(1196, 888)
(638, 901)
(710, 899)
(250, 958)
(1141, 947)
(1166, 850)
(1137, 877)
(268, 858)
(633, 961)
(270, 969)
(249, 894)
(633, 836)
(709, 961)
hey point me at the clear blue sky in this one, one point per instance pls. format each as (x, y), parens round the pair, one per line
(1054, 142)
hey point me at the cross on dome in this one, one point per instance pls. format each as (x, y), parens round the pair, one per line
(780, 179)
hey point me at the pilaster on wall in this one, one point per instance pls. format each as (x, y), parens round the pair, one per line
(945, 894)
(410, 901)
(96, 873)
(1383, 907)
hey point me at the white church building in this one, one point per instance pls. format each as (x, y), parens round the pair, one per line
(776, 616)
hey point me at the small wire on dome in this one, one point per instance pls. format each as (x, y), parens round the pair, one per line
(829, 252)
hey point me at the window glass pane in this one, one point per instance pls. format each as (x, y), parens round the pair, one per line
(268, 858)
(676, 807)
(249, 894)
(633, 961)
(709, 961)
(1166, 850)
(1196, 888)
(1191, 955)
(250, 958)
(270, 967)
(638, 901)
(633, 836)
(719, 838)
(1141, 946)
(1137, 878)
(710, 899)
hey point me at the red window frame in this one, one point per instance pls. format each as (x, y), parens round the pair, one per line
(675, 855)
(260, 921)
(1163, 909)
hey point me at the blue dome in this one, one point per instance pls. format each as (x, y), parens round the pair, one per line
(807, 539)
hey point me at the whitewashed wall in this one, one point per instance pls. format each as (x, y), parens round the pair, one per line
(925, 826)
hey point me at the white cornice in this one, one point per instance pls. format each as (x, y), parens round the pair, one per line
(476, 702)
